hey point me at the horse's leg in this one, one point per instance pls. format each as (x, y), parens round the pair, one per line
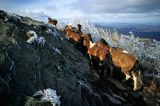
(102, 69)
(137, 80)
(108, 63)
(135, 83)
(90, 61)
(127, 76)
(100, 63)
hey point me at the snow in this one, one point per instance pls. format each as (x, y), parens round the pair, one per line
(58, 67)
(41, 41)
(49, 31)
(48, 95)
(51, 25)
(57, 50)
(33, 38)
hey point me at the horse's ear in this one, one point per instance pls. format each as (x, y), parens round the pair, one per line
(79, 25)
(49, 18)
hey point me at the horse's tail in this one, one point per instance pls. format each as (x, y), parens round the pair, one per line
(136, 66)
(136, 74)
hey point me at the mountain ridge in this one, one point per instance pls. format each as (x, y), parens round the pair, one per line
(26, 68)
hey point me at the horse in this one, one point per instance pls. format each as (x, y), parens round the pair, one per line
(79, 29)
(52, 21)
(74, 29)
(99, 58)
(74, 37)
(86, 38)
(128, 64)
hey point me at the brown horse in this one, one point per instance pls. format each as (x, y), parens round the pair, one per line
(52, 21)
(74, 37)
(102, 43)
(86, 38)
(74, 29)
(128, 63)
(100, 57)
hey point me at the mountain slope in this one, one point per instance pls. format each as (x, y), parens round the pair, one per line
(26, 68)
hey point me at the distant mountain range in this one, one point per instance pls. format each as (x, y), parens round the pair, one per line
(144, 30)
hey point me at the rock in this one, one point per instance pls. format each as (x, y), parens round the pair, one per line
(3, 14)
(118, 97)
(117, 84)
(39, 67)
(112, 99)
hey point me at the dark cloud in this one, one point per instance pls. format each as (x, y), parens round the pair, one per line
(117, 6)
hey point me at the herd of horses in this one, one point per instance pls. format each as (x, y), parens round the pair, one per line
(104, 57)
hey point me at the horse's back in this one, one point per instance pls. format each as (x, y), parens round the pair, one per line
(128, 61)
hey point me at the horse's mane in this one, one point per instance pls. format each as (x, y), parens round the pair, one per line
(103, 41)
(90, 37)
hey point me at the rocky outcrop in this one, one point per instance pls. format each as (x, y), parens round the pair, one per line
(28, 67)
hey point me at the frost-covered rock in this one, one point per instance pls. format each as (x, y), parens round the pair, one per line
(57, 50)
(41, 41)
(49, 95)
(33, 37)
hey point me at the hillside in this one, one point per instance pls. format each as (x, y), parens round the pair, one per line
(26, 68)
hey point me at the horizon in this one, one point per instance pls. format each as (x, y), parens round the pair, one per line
(138, 11)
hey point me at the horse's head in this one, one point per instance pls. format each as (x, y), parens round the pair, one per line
(102, 43)
(67, 29)
(86, 38)
(79, 29)
(138, 84)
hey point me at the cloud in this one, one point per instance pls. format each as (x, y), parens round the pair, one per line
(91, 9)
(117, 6)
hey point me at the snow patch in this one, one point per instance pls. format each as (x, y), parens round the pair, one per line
(51, 25)
(32, 38)
(41, 41)
(49, 31)
(58, 67)
(57, 50)
(48, 95)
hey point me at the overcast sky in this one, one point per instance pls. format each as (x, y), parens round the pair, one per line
(94, 10)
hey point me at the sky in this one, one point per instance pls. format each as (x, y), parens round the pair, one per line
(94, 10)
